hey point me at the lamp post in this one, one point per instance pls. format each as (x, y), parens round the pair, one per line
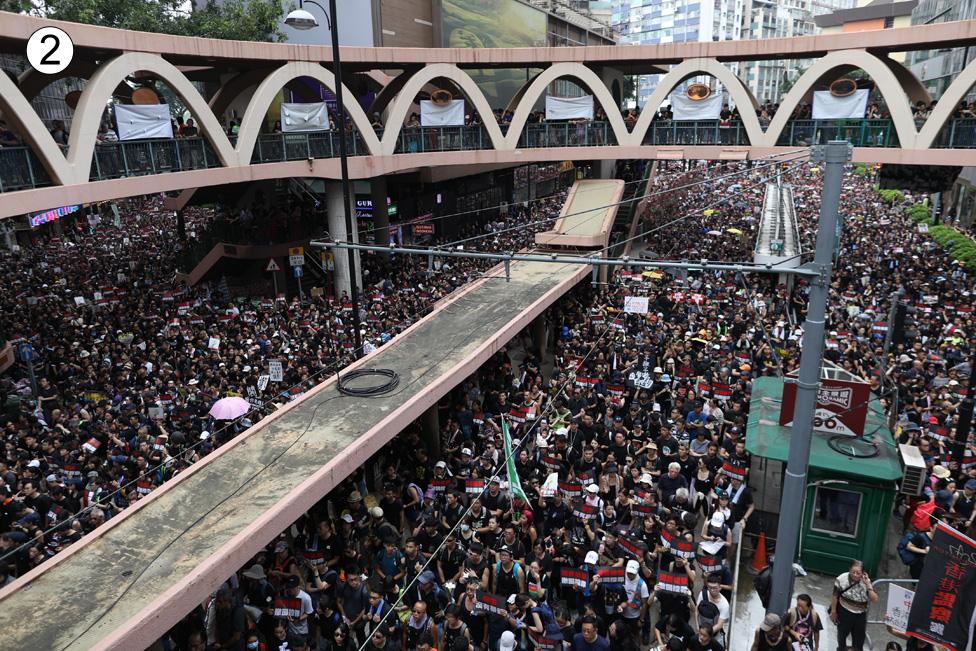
(303, 19)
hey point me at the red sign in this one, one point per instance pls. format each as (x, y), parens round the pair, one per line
(842, 406)
(423, 229)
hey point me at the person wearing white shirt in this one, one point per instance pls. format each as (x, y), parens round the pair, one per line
(713, 594)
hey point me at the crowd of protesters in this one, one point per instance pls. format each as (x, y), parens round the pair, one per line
(631, 547)
(641, 418)
(130, 361)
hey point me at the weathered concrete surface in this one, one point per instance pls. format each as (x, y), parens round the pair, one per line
(136, 577)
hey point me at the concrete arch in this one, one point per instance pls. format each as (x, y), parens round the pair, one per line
(390, 90)
(257, 108)
(912, 85)
(28, 125)
(88, 114)
(231, 89)
(737, 91)
(400, 106)
(892, 92)
(947, 104)
(32, 82)
(586, 77)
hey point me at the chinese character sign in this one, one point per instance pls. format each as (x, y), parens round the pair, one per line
(944, 608)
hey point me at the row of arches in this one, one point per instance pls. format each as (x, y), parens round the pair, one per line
(897, 85)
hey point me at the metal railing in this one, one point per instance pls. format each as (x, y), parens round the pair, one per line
(21, 169)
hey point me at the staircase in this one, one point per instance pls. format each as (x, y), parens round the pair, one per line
(624, 226)
(778, 241)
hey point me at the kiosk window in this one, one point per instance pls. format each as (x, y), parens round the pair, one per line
(836, 511)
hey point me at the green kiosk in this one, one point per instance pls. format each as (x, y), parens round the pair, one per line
(854, 471)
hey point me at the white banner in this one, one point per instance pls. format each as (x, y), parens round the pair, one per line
(635, 304)
(829, 107)
(685, 108)
(313, 116)
(898, 606)
(569, 108)
(140, 121)
(448, 115)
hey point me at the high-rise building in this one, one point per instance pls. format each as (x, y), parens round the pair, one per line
(937, 68)
(674, 21)
(765, 19)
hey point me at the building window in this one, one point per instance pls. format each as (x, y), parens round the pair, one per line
(889, 22)
(836, 511)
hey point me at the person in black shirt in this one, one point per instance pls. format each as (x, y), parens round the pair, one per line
(493, 499)
(428, 537)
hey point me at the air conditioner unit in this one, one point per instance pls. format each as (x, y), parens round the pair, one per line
(913, 479)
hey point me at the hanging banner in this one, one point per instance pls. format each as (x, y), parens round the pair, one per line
(830, 107)
(442, 115)
(569, 108)
(944, 608)
(141, 121)
(313, 116)
(685, 108)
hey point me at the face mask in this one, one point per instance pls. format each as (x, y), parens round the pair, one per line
(252, 645)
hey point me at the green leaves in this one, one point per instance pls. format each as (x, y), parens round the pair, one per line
(244, 20)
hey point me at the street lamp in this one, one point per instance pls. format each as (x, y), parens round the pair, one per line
(303, 20)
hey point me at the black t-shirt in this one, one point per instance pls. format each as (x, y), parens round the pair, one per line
(740, 506)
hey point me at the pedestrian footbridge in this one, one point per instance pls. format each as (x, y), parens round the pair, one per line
(40, 174)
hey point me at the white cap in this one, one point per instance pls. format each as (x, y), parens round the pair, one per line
(347, 518)
(592, 558)
(440, 464)
(646, 479)
(507, 641)
(593, 488)
(633, 567)
(718, 519)
(466, 451)
(204, 435)
(34, 464)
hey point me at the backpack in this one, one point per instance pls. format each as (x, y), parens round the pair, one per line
(707, 614)
(552, 630)
(907, 557)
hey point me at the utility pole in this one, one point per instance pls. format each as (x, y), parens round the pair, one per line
(834, 156)
(965, 417)
(344, 169)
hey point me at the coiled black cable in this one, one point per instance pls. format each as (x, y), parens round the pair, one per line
(393, 379)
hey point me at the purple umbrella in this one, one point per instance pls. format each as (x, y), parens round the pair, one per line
(230, 408)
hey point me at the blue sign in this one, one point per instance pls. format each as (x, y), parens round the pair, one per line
(298, 271)
(51, 215)
(26, 353)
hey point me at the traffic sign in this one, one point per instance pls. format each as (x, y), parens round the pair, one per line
(328, 260)
(298, 271)
(296, 256)
(26, 353)
(272, 266)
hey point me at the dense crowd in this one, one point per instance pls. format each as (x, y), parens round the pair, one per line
(641, 419)
(631, 547)
(131, 361)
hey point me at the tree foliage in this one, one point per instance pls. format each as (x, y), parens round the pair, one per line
(244, 20)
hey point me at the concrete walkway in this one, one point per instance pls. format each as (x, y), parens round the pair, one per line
(133, 578)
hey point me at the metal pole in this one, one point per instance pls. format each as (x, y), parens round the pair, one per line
(344, 167)
(555, 258)
(965, 417)
(835, 154)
